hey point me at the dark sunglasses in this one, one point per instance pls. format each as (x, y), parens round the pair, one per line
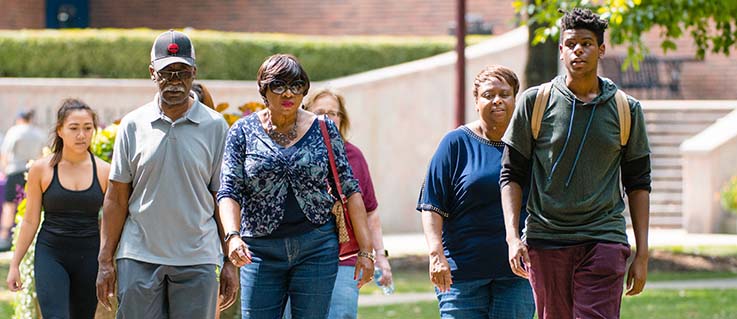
(169, 75)
(279, 87)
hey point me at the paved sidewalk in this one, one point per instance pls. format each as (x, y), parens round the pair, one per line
(398, 298)
(414, 244)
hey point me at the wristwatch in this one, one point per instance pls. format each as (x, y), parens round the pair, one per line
(230, 235)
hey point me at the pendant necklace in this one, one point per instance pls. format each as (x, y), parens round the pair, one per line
(280, 138)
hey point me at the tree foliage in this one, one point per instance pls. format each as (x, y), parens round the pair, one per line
(712, 24)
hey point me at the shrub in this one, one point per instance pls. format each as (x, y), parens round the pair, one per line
(729, 195)
(124, 53)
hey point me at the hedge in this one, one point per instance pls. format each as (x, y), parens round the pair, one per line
(124, 53)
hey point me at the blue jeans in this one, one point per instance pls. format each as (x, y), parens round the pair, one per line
(301, 268)
(487, 298)
(344, 303)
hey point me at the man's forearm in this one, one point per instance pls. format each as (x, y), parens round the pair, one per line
(639, 203)
(511, 205)
(114, 213)
(113, 220)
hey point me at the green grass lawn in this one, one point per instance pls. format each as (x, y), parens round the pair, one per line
(652, 304)
(714, 250)
(668, 304)
(404, 281)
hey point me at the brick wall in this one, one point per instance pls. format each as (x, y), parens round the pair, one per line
(712, 78)
(22, 14)
(416, 17)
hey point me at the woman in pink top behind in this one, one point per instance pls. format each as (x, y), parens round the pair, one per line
(344, 303)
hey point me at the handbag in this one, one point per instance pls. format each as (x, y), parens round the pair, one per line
(348, 245)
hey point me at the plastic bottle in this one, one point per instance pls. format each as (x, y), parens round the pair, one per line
(388, 289)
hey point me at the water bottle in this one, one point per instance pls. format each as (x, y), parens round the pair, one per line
(388, 289)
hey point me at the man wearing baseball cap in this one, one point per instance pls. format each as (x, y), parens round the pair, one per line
(159, 212)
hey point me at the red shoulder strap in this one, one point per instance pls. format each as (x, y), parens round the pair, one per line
(331, 156)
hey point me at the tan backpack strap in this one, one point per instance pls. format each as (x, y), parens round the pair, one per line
(625, 120)
(541, 102)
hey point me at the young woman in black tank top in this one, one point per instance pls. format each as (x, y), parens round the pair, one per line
(69, 185)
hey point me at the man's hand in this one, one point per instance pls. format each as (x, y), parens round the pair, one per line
(519, 259)
(106, 284)
(440, 272)
(637, 274)
(228, 285)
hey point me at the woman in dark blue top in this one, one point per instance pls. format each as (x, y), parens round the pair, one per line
(275, 203)
(69, 184)
(462, 215)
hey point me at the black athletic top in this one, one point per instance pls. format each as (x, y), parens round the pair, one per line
(72, 213)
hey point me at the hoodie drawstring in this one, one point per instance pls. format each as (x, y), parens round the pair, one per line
(580, 146)
(565, 144)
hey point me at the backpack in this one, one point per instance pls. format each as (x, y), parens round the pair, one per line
(541, 103)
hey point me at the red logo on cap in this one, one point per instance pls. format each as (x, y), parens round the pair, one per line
(173, 48)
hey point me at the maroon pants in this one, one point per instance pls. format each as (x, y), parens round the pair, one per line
(584, 281)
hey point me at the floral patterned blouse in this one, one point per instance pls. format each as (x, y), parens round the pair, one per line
(256, 174)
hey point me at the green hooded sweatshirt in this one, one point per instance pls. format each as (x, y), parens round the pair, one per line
(575, 192)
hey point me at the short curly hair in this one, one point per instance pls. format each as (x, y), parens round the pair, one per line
(581, 18)
(496, 71)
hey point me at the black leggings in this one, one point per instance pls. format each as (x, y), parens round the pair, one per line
(66, 270)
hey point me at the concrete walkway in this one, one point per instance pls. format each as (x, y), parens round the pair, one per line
(399, 298)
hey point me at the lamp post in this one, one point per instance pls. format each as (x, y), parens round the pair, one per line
(460, 62)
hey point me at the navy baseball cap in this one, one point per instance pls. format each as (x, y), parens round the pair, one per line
(172, 47)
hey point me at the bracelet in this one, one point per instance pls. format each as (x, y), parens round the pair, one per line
(366, 254)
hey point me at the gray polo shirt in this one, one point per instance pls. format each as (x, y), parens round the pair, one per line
(22, 143)
(173, 168)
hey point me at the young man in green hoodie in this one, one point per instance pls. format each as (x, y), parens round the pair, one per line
(574, 248)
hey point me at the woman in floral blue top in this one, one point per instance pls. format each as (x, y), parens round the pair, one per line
(275, 204)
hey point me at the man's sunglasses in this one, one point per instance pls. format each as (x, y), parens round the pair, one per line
(169, 75)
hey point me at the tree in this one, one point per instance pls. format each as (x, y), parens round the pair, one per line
(711, 24)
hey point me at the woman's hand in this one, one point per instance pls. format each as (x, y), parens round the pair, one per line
(13, 280)
(440, 272)
(386, 270)
(365, 269)
(238, 252)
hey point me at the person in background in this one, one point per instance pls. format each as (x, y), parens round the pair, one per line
(575, 247)
(275, 202)
(161, 235)
(69, 186)
(344, 303)
(23, 142)
(203, 94)
(461, 208)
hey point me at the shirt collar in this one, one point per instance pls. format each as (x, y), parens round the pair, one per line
(195, 114)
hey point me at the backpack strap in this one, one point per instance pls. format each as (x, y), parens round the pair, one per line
(541, 103)
(625, 120)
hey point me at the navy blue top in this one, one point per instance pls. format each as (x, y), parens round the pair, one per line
(462, 186)
(294, 221)
(259, 176)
